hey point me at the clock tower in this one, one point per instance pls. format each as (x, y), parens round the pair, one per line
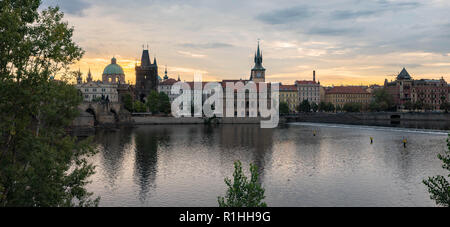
(258, 73)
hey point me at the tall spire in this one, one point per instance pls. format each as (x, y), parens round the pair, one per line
(145, 59)
(154, 61)
(89, 78)
(258, 58)
(165, 74)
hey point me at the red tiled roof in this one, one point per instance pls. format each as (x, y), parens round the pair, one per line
(305, 82)
(347, 90)
(168, 82)
(288, 88)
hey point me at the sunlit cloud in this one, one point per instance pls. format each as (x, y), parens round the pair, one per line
(186, 53)
(345, 41)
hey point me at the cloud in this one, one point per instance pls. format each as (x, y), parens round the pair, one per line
(328, 31)
(186, 53)
(285, 16)
(74, 7)
(347, 14)
(378, 8)
(206, 45)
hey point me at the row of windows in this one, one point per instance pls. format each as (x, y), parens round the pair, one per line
(95, 89)
(308, 88)
(352, 95)
(354, 101)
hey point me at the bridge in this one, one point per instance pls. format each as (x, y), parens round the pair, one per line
(97, 113)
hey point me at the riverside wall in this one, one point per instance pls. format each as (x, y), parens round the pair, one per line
(423, 120)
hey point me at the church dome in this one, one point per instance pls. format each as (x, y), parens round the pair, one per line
(113, 68)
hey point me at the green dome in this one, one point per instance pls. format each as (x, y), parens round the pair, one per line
(113, 68)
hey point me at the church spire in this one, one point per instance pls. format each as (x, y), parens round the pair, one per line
(89, 77)
(154, 61)
(165, 74)
(79, 77)
(258, 58)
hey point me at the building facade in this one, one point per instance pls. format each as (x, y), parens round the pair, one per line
(96, 91)
(429, 93)
(289, 95)
(340, 95)
(166, 87)
(309, 90)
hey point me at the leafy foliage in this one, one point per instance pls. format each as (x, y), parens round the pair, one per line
(40, 165)
(326, 107)
(153, 102)
(445, 106)
(352, 107)
(139, 107)
(284, 108)
(164, 103)
(127, 101)
(241, 192)
(314, 107)
(382, 101)
(438, 186)
(304, 106)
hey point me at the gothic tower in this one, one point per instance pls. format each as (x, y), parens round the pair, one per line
(79, 77)
(89, 78)
(146, 76)
(258, 73)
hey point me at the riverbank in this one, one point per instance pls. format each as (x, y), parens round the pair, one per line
(429, 120)
(439, 121)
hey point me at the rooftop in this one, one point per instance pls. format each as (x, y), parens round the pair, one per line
(347, 90)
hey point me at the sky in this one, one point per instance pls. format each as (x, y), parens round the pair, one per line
(347, 42)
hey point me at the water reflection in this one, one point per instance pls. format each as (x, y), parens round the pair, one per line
(184, 165)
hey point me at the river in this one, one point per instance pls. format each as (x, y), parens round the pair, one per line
(185, 165)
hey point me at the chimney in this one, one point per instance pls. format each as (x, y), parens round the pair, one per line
(314, 75)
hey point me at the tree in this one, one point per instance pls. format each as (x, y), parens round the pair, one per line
(438, 186)
(304, 106)
(352, 107)
(419, 105)
(164, 103)
(153, 102)
(445, 106)
(409, 105)
(241, 192)
(284, 108)
(330, 107)
(382, 100)
(127, 102)
(139, 107)
(314, 107)
(323, 106)
(40, 165)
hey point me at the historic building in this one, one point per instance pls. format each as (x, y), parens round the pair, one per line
(257, 75)
(340, 95)
(405, 90)
(96, 90)
(309, 90)
(113, 73)
(147, 78)
(289, 95)
(166, 87)
(258, 72)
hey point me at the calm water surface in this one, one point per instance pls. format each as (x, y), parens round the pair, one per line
(185, 165)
